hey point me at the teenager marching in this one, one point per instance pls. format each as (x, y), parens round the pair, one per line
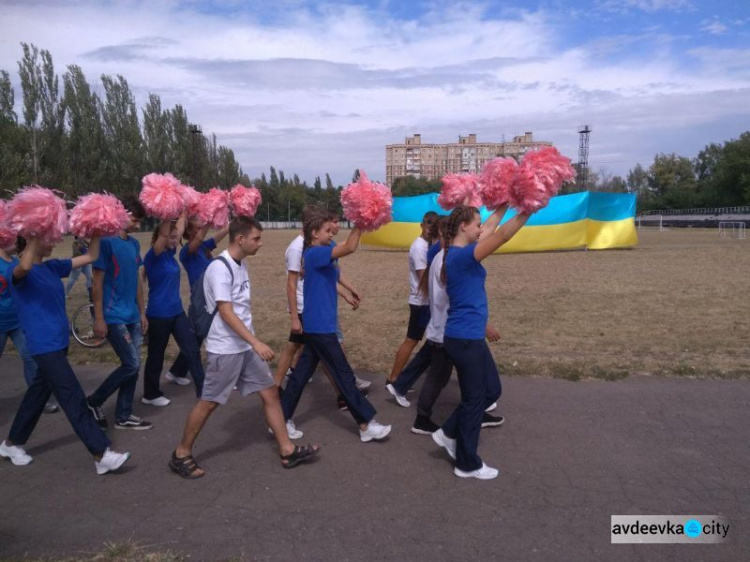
(40, 298)
(465, 330)
(320, 320)
(165, 313)
(195, 257)
(235, 355)
(119, 315)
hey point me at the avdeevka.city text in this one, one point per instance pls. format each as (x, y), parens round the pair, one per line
(669, 528)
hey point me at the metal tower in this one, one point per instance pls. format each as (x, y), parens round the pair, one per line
(583, 156)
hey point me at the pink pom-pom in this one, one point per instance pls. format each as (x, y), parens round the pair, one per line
(245, 200)
(36, 212)
(459, 189)
(367, 204)
(7, 236)
(496, 182)
(213, 208)
(190, 197)
(551, 167)
(528, 194)
(98, 214)
(162, 196)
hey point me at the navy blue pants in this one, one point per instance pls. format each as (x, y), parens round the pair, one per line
(326, 348)
(480, 387)
(159, 330)
(126, 340)
(411, 373)
(437, 377)
(55, 376)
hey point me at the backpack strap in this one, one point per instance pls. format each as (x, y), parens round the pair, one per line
(229, 267)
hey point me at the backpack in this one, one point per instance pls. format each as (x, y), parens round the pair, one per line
(199, 316)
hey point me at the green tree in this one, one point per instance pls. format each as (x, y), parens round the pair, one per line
(156, 135)
(409, 185)
(30, 74)
(7, 98)
(672, 181)
(730, 180)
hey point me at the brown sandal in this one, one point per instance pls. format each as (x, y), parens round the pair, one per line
(185, 466)
(300, 454)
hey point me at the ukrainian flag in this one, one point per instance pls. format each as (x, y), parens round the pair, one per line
(593, 220)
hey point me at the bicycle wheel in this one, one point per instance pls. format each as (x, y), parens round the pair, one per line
(82, 326)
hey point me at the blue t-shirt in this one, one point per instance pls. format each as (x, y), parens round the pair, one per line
(163, 273)
(468, 312)
(40, 301)
(321, 300)
(119, 260)
(195, 264)
(431, 253)
(8, 314)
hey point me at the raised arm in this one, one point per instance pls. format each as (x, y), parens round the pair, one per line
(221, 234)
(348, 247)
(198, 239)
(89, 257)
(27, 259)
(165, 229)
(490, 225)
(493, 241)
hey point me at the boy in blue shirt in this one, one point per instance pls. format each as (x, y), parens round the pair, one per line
(119, 316)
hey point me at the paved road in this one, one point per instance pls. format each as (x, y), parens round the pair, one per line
(571, 454)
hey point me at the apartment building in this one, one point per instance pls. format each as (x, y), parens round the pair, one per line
(415, 158)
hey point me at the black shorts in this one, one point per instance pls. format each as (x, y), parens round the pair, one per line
(419, 317)
(297, 338)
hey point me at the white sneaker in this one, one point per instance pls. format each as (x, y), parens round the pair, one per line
(182, 381)
(492, 406)
(291, 430)
(400, 398)
(160, 401)
(16, 454)
(484, 473)
(374, 432)
(111, 460)
(361, 384)
(445, 442)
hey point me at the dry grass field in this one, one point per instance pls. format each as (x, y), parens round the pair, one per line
(676, 305)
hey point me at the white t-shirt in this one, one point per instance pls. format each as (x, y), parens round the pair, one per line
(293, 257)
(439, 302)
(417, 262)
(218, 286)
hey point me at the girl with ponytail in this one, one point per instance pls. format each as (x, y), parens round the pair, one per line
(467, 243)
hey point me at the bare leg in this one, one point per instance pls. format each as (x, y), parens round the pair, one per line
(287, 356)
(275, 419)
(195, 421)
(402, 357)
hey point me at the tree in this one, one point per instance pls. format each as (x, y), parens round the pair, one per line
(30, 74)
(672, 181)
(329, 183)
(355, 176)
(731, 175)
(7, 98)
(155, 135)
(409, 185)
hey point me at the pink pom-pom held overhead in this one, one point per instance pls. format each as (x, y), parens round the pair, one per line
(36, 212)
(540, 176)
(98, 214)
(7, 236)
(190, 197)
(163, 196)
(213, 208)
(245, 200)
(367, 204)
(459, 189)
(496, 181)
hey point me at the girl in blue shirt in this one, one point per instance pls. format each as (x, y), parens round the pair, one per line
(165, 313)
(195, 257)
(319, 319)
(40, 300)
(467, 244)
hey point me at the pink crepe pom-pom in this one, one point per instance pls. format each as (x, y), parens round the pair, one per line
(552, 168)
(528, 194)
(98, 214)
(366, 203)
(245, 200)
(213, 208)
(7, 236)
(190, 197)
(496, 182)
(37, 212)
(162, 196)
(457, 188)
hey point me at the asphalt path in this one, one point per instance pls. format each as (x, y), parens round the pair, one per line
(571, 454)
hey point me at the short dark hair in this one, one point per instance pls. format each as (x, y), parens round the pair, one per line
(241, 226)
(311, 210)
(429, 217)
(133, 206)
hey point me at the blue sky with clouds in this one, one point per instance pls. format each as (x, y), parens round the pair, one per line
(316, 87)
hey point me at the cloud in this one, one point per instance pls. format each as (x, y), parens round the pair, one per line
(715, 27)
(649, 6)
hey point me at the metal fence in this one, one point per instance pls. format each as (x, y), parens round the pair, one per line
(743, 210)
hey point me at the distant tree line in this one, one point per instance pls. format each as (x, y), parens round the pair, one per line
(79, 138)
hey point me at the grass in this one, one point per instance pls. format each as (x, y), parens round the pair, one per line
(673, 306)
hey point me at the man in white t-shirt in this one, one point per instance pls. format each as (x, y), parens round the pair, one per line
(419, 309)
(235, 356)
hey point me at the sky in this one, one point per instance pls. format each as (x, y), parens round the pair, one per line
(316, 87)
